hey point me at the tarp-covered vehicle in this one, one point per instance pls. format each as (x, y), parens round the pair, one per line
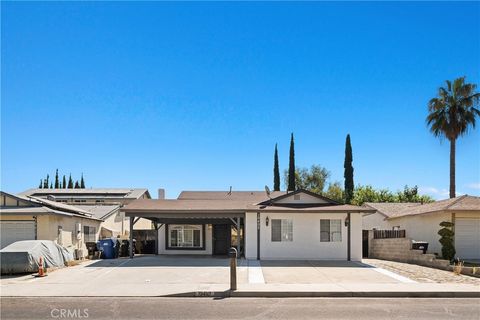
(24, 256)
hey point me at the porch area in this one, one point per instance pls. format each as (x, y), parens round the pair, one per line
(200, 233)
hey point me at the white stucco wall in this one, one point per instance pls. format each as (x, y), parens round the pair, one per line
(375, 221)
(207, 240)
(306, 237)
(251, 235)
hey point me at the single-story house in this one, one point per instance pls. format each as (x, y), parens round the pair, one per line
(31, 218)
(261, 225)
(103, 203)
(421, 222)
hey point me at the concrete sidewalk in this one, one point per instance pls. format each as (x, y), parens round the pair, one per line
(36, 289)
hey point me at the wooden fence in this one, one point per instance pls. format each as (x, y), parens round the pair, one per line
(388, 234)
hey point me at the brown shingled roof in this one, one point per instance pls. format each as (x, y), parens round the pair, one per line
(252, 196)
(154, 205)
(396, 210)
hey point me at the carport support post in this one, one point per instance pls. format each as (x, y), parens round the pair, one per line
(156, 237)
(131, 238)
(238, 236)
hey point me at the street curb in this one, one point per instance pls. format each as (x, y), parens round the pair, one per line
(329, 294)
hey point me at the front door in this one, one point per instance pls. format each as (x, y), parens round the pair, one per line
(221, 238)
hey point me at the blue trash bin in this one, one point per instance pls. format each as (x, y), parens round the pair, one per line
(107, 248)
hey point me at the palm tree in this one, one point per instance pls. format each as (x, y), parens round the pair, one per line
(451, 114)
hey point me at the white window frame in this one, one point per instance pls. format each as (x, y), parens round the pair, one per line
(334, 232)
(186, 233)
(286, 230)
(89, 235)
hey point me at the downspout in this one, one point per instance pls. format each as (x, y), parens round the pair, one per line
(453, 227)
(258, 235)
(349, 236)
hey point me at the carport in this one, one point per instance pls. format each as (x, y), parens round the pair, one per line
(162, 218)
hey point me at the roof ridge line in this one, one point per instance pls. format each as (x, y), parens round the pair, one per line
(456, 200)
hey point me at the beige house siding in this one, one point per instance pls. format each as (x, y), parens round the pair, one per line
(47, 229)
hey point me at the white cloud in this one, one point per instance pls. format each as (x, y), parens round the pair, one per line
(474, 185)
(436, 193)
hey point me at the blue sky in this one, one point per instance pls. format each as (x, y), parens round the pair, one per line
(192, 96)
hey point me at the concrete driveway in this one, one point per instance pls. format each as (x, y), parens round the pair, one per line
(173, 275)
(304, 272)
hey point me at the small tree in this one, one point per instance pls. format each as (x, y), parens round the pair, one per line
(446, 240)
(313, 179)
(291, 167)
(77, 186)
(41, 184)
(335, 192)
(348, 173)
(64, 182)
(57, 182)
(82, 183)
(45, 183)
(276, 171)
(70, 182)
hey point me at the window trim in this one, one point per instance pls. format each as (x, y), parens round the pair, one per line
(281, 233)
(202, 237)
(330, 238)
(94, 234)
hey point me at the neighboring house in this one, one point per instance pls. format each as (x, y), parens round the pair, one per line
(296, 225)
(31, 218)
(104, 203)
(421, 222)
(114, 223)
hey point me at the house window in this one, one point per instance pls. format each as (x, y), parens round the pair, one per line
(89, 233)
(282, 230)
(185, 236)
(296, 197)
(330, 230)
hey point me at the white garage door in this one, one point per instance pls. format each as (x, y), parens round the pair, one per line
(12, 231)
(467, 238)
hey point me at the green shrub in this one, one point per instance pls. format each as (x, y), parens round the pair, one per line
(447, 235)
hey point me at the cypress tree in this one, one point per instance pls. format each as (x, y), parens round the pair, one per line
(45, 183)
(77, 186)
(348, 173)
(51, 185)
(56, 180)
(291, 167)
(276, 171)
(40, 185)
(70, 182)
(82, 182)
(64, 182)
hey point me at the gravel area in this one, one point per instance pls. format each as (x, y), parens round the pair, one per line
(422, 274)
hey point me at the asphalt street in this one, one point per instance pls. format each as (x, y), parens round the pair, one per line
(238, 308)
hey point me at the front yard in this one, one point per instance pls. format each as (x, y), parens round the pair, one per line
(422, 274)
